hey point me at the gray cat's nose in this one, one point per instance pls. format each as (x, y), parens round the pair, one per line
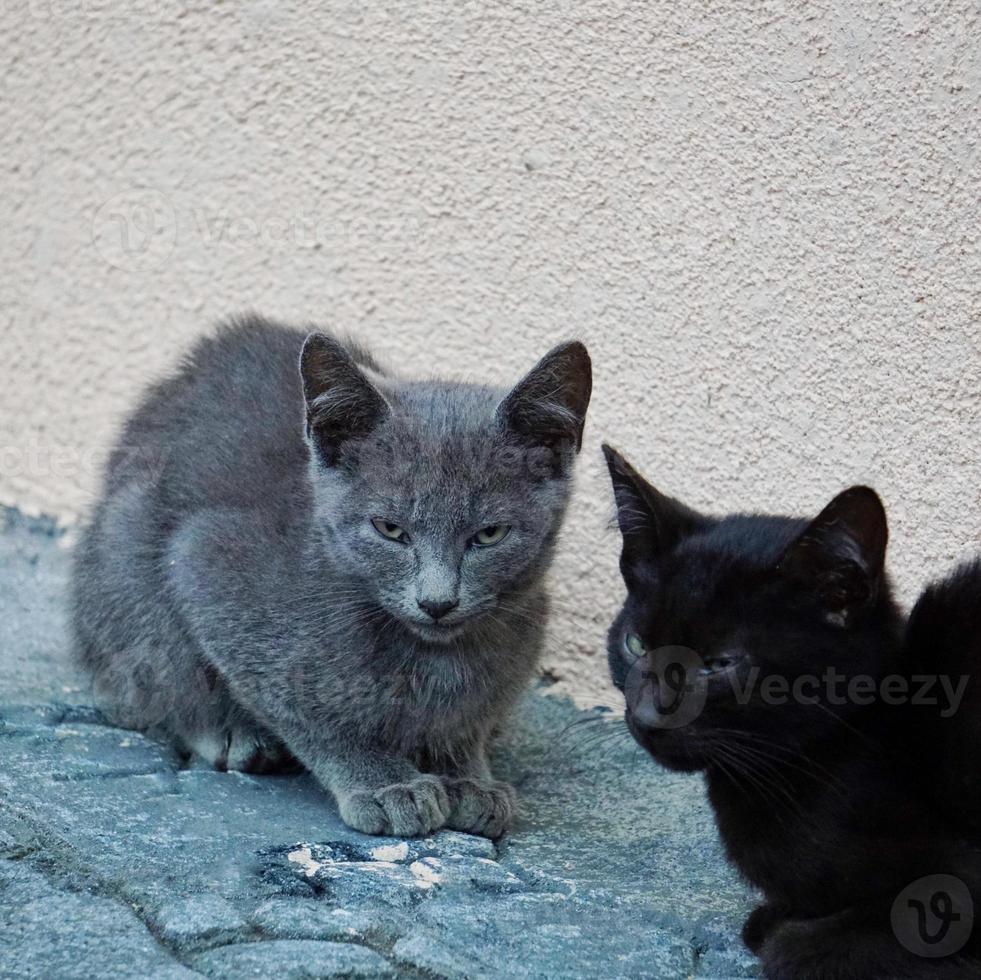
(437, 609)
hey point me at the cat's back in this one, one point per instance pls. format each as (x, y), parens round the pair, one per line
(226, 428)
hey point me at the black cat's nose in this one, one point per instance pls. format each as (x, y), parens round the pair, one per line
(438, 609)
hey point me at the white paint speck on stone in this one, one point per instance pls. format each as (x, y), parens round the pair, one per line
(376, 867)
(427, 871)
(390, 852)
(303, 857)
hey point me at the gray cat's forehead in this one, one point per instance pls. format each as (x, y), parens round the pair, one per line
(443, 458)
(406, 456)
(454, 463)
(452, 401)
(439, 429)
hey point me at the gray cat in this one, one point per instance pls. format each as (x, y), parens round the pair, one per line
(359, 593)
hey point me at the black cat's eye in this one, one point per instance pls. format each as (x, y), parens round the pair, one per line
(389, 530)
(491, 535)
(717, 664)
(633, 645)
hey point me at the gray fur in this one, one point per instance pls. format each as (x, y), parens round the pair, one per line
(232, 592)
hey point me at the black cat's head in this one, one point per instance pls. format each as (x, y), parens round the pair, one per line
(746, 627)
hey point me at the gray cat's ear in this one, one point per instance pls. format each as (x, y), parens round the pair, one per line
(341, 402)
(841, 554)
(651, 522)
(548, 406)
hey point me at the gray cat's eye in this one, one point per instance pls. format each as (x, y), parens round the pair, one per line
(389, 530)
(491, 535)
(633, 644)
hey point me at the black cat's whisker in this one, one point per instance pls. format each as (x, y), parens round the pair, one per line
(761, 768)
(718, 752)
(590, 720)
(803, 763)
(599, 738)
(841, 721)
(574, 737)
(758, 752)
(780, 799)
(767, 769)
(590, 741)
(724, 769)
(583, 741)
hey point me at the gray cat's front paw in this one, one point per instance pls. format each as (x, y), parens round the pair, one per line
(480, 806)
(411, 809)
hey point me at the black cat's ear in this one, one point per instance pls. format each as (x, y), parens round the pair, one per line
(548, 406)
(341, 402)
(651, 522)
(842, 552)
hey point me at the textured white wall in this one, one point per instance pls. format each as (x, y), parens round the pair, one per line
(762, 218)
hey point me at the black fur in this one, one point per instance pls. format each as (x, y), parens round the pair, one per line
(830, 809)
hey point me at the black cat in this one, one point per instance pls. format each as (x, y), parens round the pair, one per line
(839, 743)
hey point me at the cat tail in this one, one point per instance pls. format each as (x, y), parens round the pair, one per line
(943, 639)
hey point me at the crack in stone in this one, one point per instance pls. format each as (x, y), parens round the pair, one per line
(81, 777)
(59, 865)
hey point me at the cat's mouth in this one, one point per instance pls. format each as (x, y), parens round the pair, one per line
(670, 748)
(437, 632)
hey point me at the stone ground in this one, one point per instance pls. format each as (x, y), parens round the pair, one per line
(116, 860)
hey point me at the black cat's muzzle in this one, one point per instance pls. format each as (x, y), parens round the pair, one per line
(670, 747)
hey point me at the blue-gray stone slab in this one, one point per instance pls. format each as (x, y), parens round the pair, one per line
(116, 860)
